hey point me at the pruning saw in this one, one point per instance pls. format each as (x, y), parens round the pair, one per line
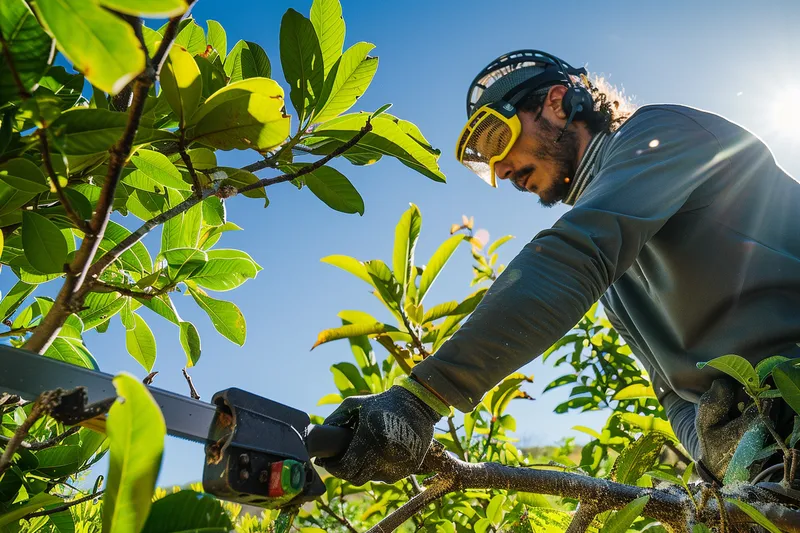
(257, 451)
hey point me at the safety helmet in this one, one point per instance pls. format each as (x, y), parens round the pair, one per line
(493, 125)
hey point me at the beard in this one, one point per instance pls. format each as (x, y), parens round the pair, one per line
(563, 154)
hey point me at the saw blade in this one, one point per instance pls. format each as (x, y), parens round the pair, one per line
(27, 374)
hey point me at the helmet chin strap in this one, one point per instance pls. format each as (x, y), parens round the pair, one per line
(575, 110)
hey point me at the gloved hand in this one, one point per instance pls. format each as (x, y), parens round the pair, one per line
(391, 433)
(720, 426)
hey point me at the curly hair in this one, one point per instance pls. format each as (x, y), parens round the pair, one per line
(611, 106)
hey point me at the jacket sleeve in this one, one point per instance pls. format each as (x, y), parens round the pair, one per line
(680, 413)
(650, 169)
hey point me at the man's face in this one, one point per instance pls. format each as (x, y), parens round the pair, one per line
(537, 163)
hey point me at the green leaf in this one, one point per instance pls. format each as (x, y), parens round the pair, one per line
(190, 340)
(191, 37)
(223, 273)
(141, 343)
(30, 48)
(84, 131)
(59, 461)
(755, 514)
(380, 110)
(347, 376)
(436, 263)
(301, 58)
(154, 172)
(16, 511)
(349, 264)
(347, 82)
(187, 511)
(136, 258)
(387, 138)
(147, 8)
(184, 262)
(406, 234)
(71, 351)
(326, 17)
(245, 114)
(787, 379)
(638, 457)
(225, 316)
(163, 306)
(649, 423)
(136, 433)
(548, 520)
(765, 366)
(65, 85)
(14, 298)
(390, 291)
(635, 392)
(247, 60)
(738, 368)
(43, 243)
(213, 74)
(622, 519)
(213, 211)
(217, 38)
(181, 83)
(333, 188)
(498, 243)
(101, 307)
(99, 44)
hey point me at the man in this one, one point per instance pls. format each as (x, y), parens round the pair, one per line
(682, 225)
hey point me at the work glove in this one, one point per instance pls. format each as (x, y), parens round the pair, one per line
(720, 426)
(391, 433)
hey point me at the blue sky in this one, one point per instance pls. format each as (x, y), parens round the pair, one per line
(738, 60)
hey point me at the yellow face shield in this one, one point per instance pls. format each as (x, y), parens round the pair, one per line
(487, 138)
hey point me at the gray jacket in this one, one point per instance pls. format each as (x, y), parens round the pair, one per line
(688, 234)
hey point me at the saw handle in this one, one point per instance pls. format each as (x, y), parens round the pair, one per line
(328, 441)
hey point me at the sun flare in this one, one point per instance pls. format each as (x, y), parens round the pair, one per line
(785, 111)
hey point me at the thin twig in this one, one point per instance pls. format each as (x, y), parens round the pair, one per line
(16, 332)
(266, 182)
(582, 518)
(192, 390)
(41, 407)
(148, 379)
(64, 507)
(105, 287)
(196, 187)
(41, 445)
(454, 434)
(48, 165)
(341, 519)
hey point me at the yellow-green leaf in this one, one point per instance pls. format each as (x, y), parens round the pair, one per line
(43, 243)
(436, 263)
(347, 82)
(755, 514)
(181, 83)
(634, 392)
(246, 114)
(326, 16)
(406, 234)
(351, 330)
(147, 8)
(349, 264)
(247, 60)
(136, 433)
(301, 58)
(225, 316)
(190, 340)
(141, 343)
(99, 44)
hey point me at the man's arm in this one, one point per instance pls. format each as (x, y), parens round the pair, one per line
(554, 280)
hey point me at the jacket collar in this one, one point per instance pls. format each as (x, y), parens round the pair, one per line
(585, 173)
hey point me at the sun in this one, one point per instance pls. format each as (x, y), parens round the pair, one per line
(785, 111)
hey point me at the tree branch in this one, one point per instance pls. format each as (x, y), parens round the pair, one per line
(102, 286)
(197, 188)
(73, 291)
(266, 182)
(16, 332)
(48, 165)
(192, 391)
(64, 507)
(40, 407)
(665, 506)
(341, 519)
(41, 445)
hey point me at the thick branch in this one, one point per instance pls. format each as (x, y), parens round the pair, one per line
(341, 519)
(64, 507)
(266, 182)
(454, 474)
(48, 165)
(43, 444)
(40, 407)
